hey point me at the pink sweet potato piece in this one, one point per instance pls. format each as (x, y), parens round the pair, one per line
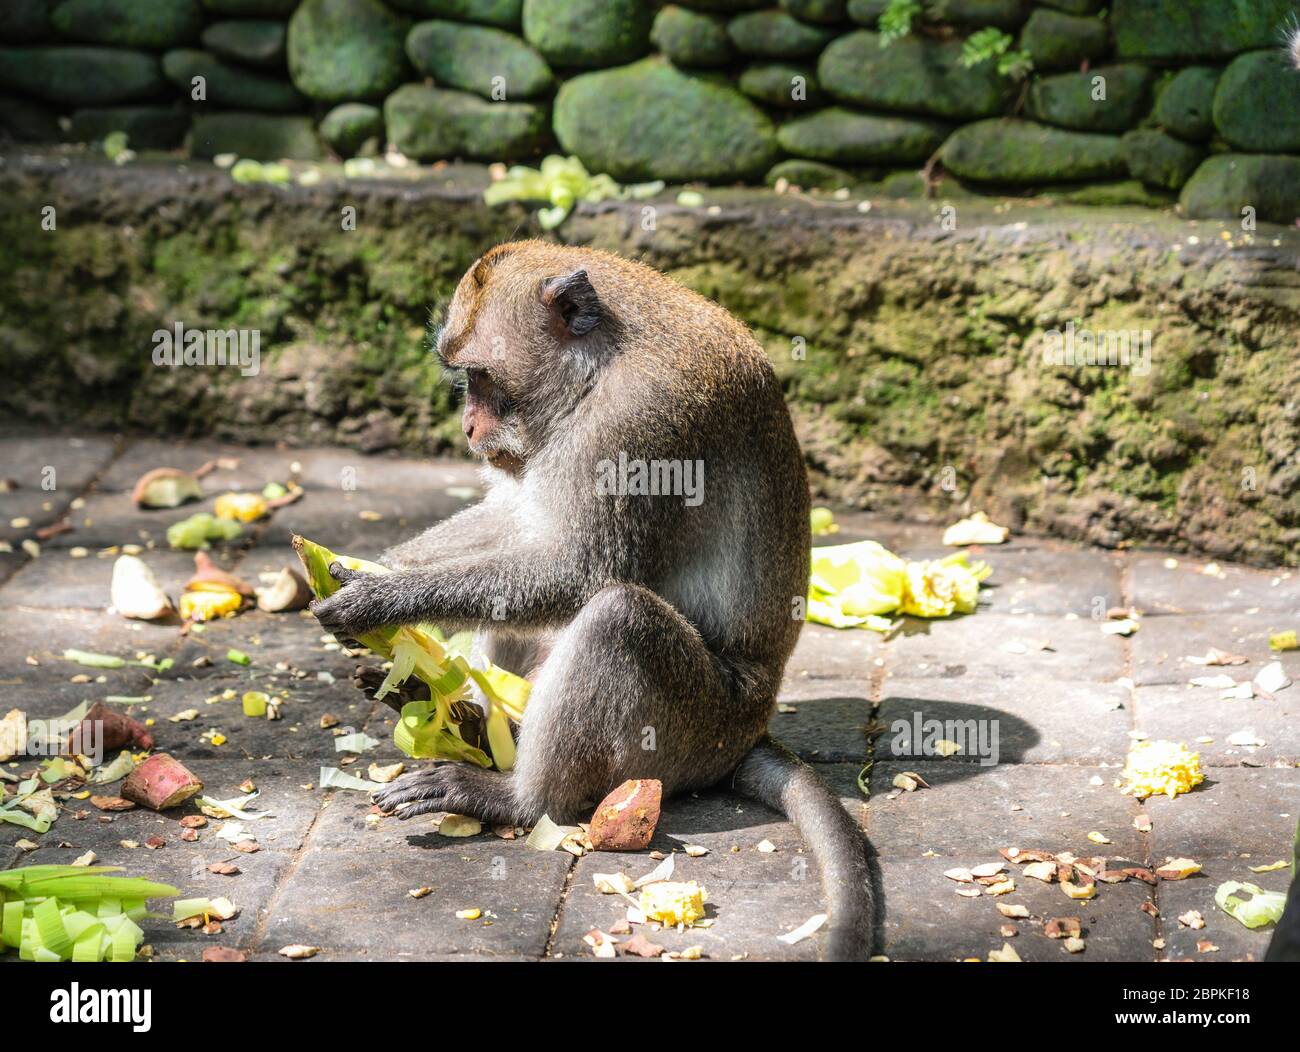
(118, 732)
(625, 820)
(160, 782)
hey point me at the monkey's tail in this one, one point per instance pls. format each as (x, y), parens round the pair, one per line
(773, 775)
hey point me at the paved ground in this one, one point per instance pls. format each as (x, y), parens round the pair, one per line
(325, 877)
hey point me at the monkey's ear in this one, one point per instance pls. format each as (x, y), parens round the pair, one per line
(573, 301)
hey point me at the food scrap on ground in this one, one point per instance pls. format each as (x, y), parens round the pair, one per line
(1156, 768)
(857, 585)
(625, 820)
(977, 529)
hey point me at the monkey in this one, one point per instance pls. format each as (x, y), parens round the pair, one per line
(655, 629)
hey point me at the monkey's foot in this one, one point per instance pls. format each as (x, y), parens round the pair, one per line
(456, 787)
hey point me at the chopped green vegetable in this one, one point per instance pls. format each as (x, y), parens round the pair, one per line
(561, 182)
(85, 657)
(333, 778)
(254, 701)
(1264, 907)
(111, 772)
(201, 528)
(238, 657)
(273, 491)
(60, 913)
(182, 909)
(359, 742)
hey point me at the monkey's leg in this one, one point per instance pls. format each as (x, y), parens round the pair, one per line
(629, 690)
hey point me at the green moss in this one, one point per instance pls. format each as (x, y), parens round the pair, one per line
(825, 12)
(1014, 151)
(809, 175)
(1191, 29)
(843, 136)
(1185, 106)
(255, 42)
(228, 86)
(261, 136)
(785, 85)
(1159, 159)
(775, 34)
(1104, 99)
(489, 62)
(1229, 184)
(146, 127)
(1257, 104)
(129, 23)
(649, 120)
(503, 13)
(349, 127)
(429, 124)
(82, 76)
(690, 38)
(588, 33)
(911, 75)
(346, 50)
(1056, 40)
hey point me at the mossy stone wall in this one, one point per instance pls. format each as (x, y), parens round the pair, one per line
(708, 90)
(912, 354)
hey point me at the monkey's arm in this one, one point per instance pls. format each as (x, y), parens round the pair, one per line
(534, 587)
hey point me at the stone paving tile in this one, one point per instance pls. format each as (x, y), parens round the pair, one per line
(108, 519)
(1038, 720)
(829, 721)
(257, 465)
(292, 640)
(1235, 811)
(23, 512)
(335, 519)
(897, 536)
(75, 459)
(926, 920)
(329, 878)
(968, 811)
(1162, 645)
(45, 689)
(1185, 714)
(332, 469)
(1185, 589)
(296, 734)
(1049, 582)
(57, 581)
(293, 809)
(1234, 940)
(832, 654)
(977, 645)
(754, 896)
(358, 900)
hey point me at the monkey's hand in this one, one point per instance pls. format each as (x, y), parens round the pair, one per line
(360, 606)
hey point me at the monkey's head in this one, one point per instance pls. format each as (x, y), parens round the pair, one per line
(523, 330)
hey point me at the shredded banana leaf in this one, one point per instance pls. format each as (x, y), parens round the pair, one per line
(430, 729)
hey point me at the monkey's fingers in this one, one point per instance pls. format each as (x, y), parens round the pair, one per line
(343, 575)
